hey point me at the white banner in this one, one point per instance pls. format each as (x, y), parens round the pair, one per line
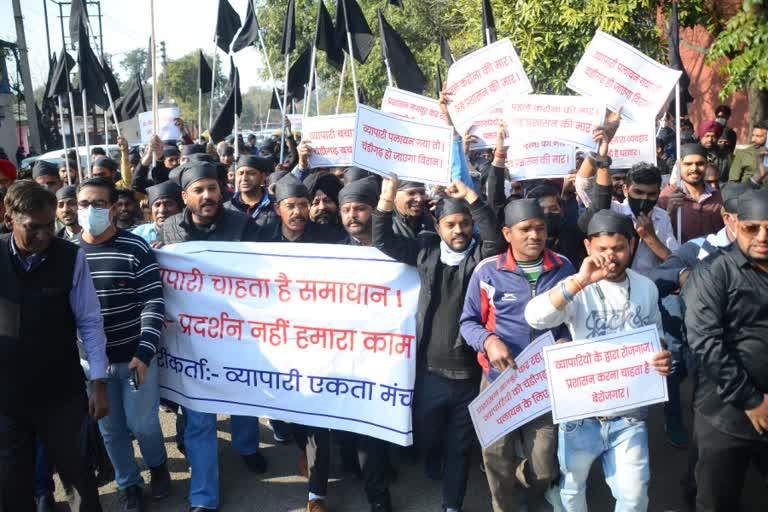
(539, 159)
(568, 119)
(166, 122)
(248, 332)
(604, 376)
(386, 144)
(634, 142)
(618, 74)
(297, 122)
(485, 128)
(515, 397)
(331, 139)
(484, 79)
(412, 106)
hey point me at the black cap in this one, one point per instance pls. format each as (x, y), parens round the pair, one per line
(606, 222)
(106, 162)
(522, 209)
(43, 168)
(261, 164)
(195, 171)
(404, 185)
(364, 191)
(289, 186)
(192, 149)
(450, 206)
(753, 205)
(354, 173)
(164, 190)
(276, 176)
(66, 192)
(692, 149)
(169, 151)
(731, 193)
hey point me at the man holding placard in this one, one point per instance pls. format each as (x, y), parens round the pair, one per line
(493, 324)
(604, 297)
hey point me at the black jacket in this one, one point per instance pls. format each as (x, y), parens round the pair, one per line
(230, 226)
(727, 321)
(313, 234)
(145, 177)
(266, 216)
(424, 254)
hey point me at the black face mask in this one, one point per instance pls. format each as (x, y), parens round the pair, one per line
(554, 222)
(639, 206)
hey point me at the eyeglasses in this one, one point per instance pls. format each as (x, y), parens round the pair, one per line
(752, 229)
(99, 203)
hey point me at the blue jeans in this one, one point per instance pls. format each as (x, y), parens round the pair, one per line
(43, 472)
(135, 412)
(622, 443)
(202, 452)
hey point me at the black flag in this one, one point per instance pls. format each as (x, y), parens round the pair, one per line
(489, 25)
(234, 80)
(111, 81)
(225, 121)
(227, 24)
(204, 73)
(325, 38)
(133, 103)
(438, 80)
(445, 51)
(92, 77)
(60, 81)
(288, 44)
(676, 62)
(362, 95)
(52, 63)
(274, 103)
(298, 75)
(401, 61)
(354, 23)
(148, 68)
(78, 14)
(249, 34)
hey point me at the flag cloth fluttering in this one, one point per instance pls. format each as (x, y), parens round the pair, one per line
(227, 25)
(489, 25)
(249, 34)
(92, 77)
(355, 23)
(204, 73)
(401, 61)
(326, 39)
(676, 62)
(225, 121)
(133, 103)
(60, 83)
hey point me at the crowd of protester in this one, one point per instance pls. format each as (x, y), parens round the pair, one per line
(500, 262)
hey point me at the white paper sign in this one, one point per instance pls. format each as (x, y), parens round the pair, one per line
(515, 397)
(412, 106)
(540, 159)
(485, 128)
(331, 139)
(633, 143)
(249, 332)
(618, 74)
(166, 122)
(568, 119)
(484, 79)
(297, 122)
(604, 376)
(415, 151)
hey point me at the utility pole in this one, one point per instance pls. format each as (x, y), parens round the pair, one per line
(29, 94)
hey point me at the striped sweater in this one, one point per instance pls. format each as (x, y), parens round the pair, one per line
(127, 280)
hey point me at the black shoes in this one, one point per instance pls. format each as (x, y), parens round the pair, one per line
(160, 481)
(256, 463)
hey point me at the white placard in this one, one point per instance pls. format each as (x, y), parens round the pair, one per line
(539, 159)
(412, 106)
(253, 329)
(484, 79)
(515, 397)
(633, 143)
(297, 122)
(415, 151)
(604, 376)
(166, 122)
(330, 138)
(618, 74)
(485, 128)
(568, 119)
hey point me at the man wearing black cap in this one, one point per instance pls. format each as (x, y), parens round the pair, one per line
(727, 321)
(357, 201)
(410, 215)
(605, 297)
(700, 203)
(164, 202)
(66, 212)
(446, 373)
(105, 167)
(560, 237)
(251, 175)
(46, 175)
(493, 324)
(204, 218)
(167, 158)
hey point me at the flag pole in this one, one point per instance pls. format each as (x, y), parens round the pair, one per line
(85, 133)
(389, 73)
(487, 37)
(213, 85)
(678, 163)
(341, 84)
(237, 118)
(199, 112)
(73, 118)
(64, 138)
(317, 93)
(111, 106)
(266, 58)
(351, 55)
(285, 110)
(308, 94)
(106, 128)
(155, 119)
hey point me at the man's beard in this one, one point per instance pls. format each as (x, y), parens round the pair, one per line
(325, 218)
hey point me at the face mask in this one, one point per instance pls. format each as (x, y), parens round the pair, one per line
(93, 220)
(721, 121)
(554, 222)
(639, 206)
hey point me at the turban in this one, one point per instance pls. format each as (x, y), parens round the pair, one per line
(289, 187)
(710, 126)
(325, 181)
(610, 222)
(8, 169)
(364, 191)
(522, 209)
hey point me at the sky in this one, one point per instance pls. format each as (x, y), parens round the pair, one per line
(126, 26)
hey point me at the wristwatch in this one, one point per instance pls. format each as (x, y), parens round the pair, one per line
(602, 162)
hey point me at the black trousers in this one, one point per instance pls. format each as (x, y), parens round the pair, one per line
(722, 466)
(59, 427)
(441, 412)
(372, 453)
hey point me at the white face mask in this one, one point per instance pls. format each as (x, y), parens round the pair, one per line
(93, 220)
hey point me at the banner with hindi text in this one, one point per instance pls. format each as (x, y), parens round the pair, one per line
(412, 106)
(330, 138)
(256, 330)
(539, 159)
(633, 143)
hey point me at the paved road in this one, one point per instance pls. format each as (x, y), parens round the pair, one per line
(281, 490)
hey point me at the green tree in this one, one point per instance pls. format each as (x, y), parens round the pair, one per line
(742, 50)
(133, 62)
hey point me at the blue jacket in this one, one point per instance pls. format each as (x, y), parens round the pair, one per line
(495, 303)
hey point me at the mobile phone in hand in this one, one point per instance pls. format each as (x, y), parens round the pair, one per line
(135, 379)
